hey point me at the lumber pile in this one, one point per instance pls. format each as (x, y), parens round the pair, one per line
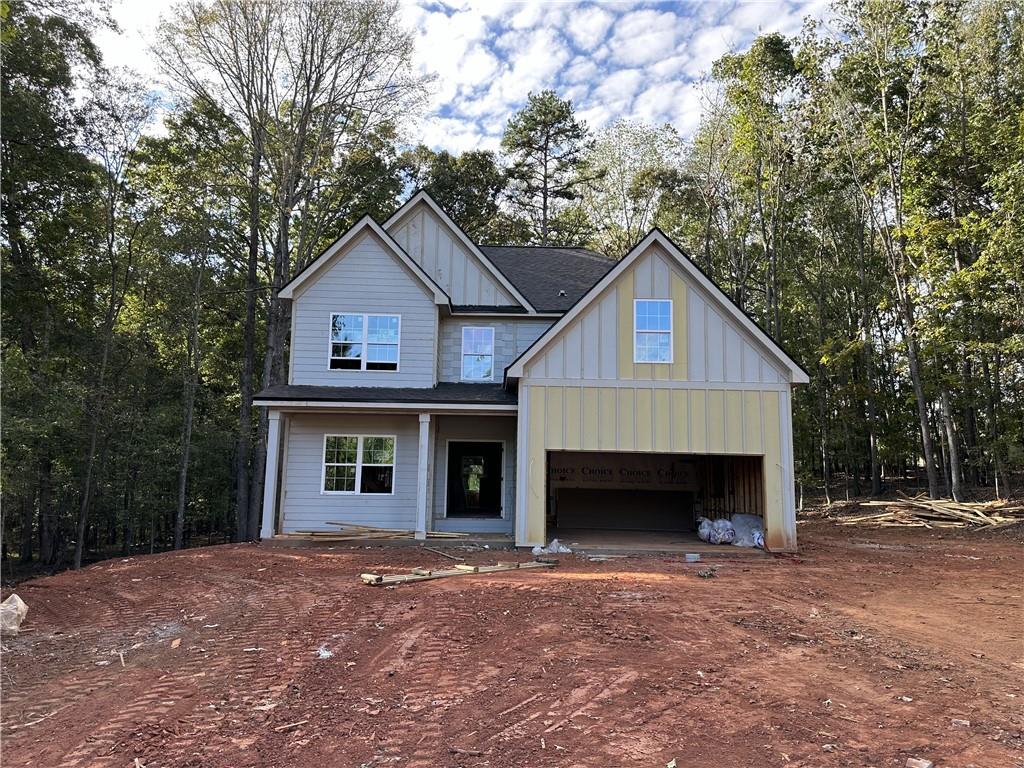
(357, 533)
(922, 512)
(424, 574)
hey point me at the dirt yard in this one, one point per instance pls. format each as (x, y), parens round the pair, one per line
(868, 648)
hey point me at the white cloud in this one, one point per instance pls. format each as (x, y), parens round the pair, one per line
(579, 70)
(588, 27)
(707, 46)
(613, 60)
(616, 92)
(644, 37)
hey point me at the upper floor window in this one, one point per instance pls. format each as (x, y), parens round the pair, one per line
(477, 354)
(365, 342)
(652, 331)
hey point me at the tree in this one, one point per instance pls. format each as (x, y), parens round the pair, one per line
(546, 146)
(47, 190)
(632, 165)
(877, 98)
(468, 187)
(116, 115)
(306, 85)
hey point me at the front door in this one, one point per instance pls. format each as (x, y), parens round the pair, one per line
(474, 479)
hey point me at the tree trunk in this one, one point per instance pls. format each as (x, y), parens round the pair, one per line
(927, 445)
(954, 450)
(945, 464)
(274, 369)
(47, 534)
(27, 532)
(90, 461)
(243, 452)
(191, 382)
(869, 364)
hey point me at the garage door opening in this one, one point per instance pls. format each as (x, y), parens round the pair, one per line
(646, 499)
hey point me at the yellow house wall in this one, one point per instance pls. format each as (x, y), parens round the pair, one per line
(699, 421)
(683, 407)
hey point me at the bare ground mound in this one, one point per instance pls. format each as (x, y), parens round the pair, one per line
(870, 647)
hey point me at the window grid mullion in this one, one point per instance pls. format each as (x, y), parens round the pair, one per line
(359, 463)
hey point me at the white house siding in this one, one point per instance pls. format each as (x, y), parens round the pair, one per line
(303, 505)
(474, 428)
(511, 338)
(436, 248)
(364, 278)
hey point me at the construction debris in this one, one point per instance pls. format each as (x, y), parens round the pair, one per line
(922, 512)
(423, 574)
(354, 532)
(12, 612)
(444, 554)
(554, 548)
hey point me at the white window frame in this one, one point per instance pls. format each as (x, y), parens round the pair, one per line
(670, 332)
(359, 466)
(362, 360)
(462, 356)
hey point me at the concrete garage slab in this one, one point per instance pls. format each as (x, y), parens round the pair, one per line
(592, 541)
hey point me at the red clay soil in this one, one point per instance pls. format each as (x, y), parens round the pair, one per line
(868, 648)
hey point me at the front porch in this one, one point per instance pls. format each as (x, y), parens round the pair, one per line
(419, 464)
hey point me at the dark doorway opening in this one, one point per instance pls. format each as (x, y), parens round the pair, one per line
(474, 479)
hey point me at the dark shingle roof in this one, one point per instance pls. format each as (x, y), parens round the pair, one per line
(542, 274)
(493, 394)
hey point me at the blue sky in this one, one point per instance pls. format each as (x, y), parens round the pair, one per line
(637, 60)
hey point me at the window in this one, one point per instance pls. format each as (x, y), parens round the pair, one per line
(477, 354)
(365, 342)
(359, 464)
(653, 331)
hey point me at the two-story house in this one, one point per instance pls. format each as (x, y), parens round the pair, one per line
(435, 384)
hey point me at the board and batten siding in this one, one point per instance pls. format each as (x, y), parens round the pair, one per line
(723, 393)
(474, 429)
(655, 419)
(706, 346)
(368, 278)
(433, 245)
(304, 507)
(511, 338)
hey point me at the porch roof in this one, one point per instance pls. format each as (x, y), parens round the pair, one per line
(444, 393)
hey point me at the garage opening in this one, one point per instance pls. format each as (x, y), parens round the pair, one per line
(658, 496)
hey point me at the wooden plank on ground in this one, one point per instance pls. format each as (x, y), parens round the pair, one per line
(375, 579)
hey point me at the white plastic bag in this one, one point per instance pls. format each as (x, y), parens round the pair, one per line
(703, 529)
(12, 612)
(554, 548)
(747, 527)
(722, 532)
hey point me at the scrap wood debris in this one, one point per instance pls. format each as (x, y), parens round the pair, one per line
(424, 574)
(922, 512)
(354, 532)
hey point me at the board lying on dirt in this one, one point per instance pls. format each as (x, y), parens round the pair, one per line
(423, 574)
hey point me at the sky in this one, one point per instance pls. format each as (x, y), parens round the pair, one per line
(635, 60)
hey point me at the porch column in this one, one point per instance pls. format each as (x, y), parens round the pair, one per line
(270, 480)
(422, 484)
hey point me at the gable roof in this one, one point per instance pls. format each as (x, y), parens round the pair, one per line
(553, 279)
(797, 374)
(365, 224)
(422, 196)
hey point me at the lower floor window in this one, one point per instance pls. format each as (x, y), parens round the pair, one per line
(359, 464)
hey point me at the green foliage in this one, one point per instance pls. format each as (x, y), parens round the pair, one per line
(468, 187)
(546, 146)
(860, 195)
